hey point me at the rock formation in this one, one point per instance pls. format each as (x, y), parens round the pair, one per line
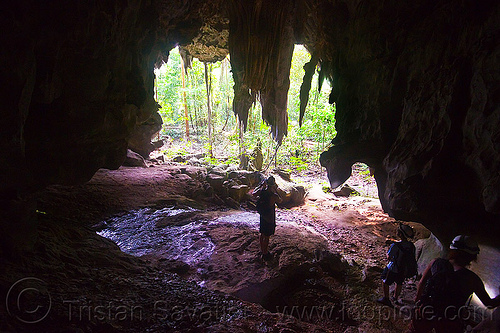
(140, 138)
(416, 82)
(415, 86)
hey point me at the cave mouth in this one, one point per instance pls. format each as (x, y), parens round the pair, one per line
(183, 238)
(202, 125)
(415, 93)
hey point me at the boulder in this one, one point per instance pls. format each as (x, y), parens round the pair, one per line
(216, 182)
(134, 159)
(234, 174)
(428, 249)
(219, 170)
(229, 182)
(254, 178)
(346, 191)
(245, 177)
(292, 195)
(198, 173)
(283, 174)
(238, 192)
(195, 161)
(187, 157)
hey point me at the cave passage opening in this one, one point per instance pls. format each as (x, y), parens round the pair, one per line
(181, 93)
(183, 100)
(211, 248)
(427, 66)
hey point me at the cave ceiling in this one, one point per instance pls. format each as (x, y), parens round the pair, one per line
(415, 87)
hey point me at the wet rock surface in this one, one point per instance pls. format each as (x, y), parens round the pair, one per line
(222, 254)
(190, 266)
(89, 285)
(193, 262)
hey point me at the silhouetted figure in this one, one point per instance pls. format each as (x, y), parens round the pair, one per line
(445, 289)
(402, 264)
(266, 204)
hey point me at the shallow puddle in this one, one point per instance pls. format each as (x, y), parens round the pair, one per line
(137, 233)
(147, 230)
(243, 219)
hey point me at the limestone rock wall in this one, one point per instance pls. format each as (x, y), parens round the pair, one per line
(77, 81)
(77, 84)
(77, 88)
(419, 82)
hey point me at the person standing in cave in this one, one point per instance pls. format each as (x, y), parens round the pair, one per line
(266, 207)
(446, 288)
(402, 264)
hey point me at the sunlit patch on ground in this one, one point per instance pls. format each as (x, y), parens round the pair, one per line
(373, 216)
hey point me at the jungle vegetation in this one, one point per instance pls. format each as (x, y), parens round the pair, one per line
(199, 100)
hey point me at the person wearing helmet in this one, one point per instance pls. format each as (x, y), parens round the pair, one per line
(446, 287)
(266, 204)
(401, 256)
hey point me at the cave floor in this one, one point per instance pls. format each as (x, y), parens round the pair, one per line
(195, 266)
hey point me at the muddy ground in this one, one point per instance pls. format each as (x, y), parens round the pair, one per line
(198, 269)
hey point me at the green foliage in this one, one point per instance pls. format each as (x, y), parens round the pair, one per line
(211, 161)
(326, 189)
(178, 150)
(365, 172)
(168, 85)
(298, 150)
(319, 120)
(298, 163)
(169, 96)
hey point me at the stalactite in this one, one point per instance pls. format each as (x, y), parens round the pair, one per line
(261, 46)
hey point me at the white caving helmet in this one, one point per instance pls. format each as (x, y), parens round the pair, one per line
(465, 243)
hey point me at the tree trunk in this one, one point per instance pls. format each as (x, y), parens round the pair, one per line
(251, 124)
(240, 136)
(186, 116)
(225, 63)
(209, 110)
(156, 100)
(196, 122)
(156, 88)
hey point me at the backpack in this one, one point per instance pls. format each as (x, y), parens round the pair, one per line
(442, 289)
(260, 205)
(406, 262)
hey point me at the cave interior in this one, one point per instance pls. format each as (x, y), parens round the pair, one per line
(416, 88)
